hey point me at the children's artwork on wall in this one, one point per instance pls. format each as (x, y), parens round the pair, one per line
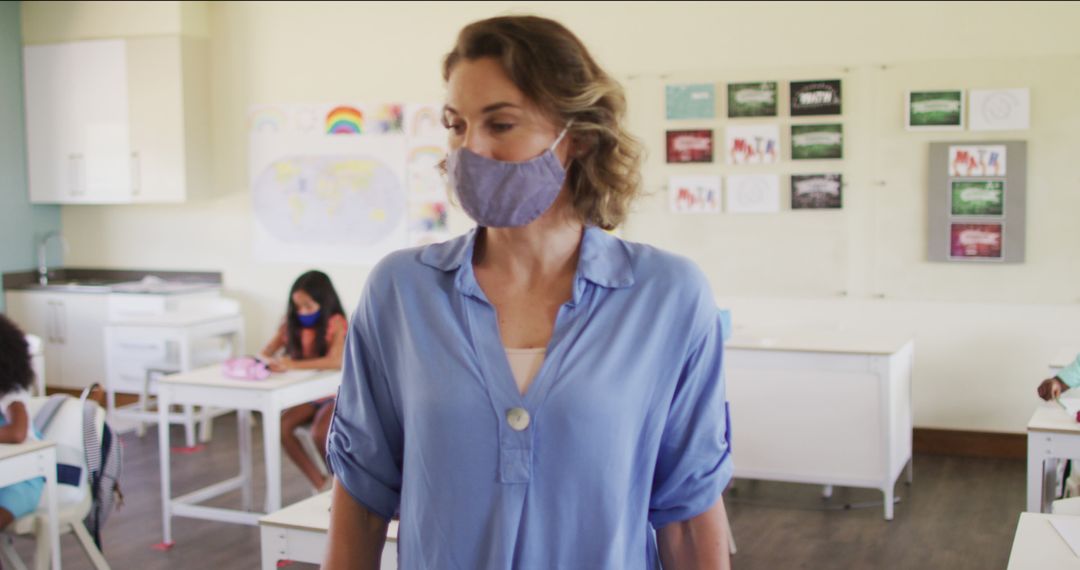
(811, 142)
(935, 110)
(1000, 109)
(815, 97)
(690, 146)
(976, 241)
(977, 198)
(816, 191)
(753, 193)
(753, 144)
(424, 122)
(977, 160)
(694, 194)
(751, 99)
(690, 101)
(340, 183)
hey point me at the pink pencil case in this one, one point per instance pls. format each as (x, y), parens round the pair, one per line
(245, 368)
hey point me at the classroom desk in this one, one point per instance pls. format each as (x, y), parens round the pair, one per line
(1052, 435)
(209, 387)
(22, 461)
(1038, 546)
(298, 532)
(822, 407)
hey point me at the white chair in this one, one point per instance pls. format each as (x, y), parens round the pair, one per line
(307, 441)
(37, 362)
(66, 429)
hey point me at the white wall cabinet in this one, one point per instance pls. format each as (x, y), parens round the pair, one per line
(116, 121)
(71, 326)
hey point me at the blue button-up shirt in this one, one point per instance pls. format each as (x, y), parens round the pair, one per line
(627, 429)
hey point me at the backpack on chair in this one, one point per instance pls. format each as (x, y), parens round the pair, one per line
(104, 461)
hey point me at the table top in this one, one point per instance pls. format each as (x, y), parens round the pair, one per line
(173, 319)
(809, 339)
(1063, 357)
(313, 515)
(1038, 546)
(1050, 417)
(9, 450)
(212, 376)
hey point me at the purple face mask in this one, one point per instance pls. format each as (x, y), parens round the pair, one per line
(500, 194)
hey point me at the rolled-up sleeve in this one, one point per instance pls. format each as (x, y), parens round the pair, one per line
(1070, 375)
(364, 447)
(694, 463)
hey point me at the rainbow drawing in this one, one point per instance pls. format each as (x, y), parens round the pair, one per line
(265, 120)
(425, 155)
(344, 120)
(425, 120)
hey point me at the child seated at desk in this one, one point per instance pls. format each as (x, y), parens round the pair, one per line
(1066, 378)
(312, 337)
(16, 375)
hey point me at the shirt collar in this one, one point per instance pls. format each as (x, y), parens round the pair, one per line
(603, 261)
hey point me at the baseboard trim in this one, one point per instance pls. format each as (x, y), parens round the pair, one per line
(970, 443)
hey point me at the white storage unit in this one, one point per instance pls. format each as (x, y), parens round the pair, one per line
(821, 407)
(70, 324)
(116, 121)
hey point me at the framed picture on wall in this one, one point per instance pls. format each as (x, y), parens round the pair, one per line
(690, 101)
(977, 198)
(815, 97)
(816, 191)
(934, 110)
(690, 146)
(976, 241)
(812, 142)
(751, 99)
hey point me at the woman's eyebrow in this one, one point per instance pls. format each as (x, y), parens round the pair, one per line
(489, 109)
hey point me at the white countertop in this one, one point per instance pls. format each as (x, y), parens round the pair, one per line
(213, 376)
(809, 339)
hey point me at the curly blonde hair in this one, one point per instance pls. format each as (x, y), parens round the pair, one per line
(551, 66)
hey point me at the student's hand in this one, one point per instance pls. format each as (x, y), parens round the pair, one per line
(1051, 388)
(280, 364)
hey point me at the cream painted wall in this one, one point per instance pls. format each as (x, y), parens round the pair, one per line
(977, 358)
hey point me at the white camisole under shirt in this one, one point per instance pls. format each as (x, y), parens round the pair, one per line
(525, 363)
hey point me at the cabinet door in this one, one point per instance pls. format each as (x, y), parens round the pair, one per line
(82, 327)
(78, 142)
(38, 313)
(156, 110)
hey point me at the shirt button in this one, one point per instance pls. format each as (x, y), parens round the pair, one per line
(518, 418)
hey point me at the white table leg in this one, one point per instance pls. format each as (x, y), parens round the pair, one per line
(272, 450)
(53, 523)
(1034, 473)
(910, 470)
(888, 490)
(243, 428)
(826, 491)
(272, 544)
(163, 454)
(189, 425)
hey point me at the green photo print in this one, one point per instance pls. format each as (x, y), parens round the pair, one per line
(751, 99)
(810, 142)
(978, 197)
(936, 110)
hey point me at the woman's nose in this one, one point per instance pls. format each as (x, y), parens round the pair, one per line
(475, 141)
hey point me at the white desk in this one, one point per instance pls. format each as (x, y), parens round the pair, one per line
(298, 532)
(821, 407)
(1038, 546)
(209, 387)
(1052, 435)
(129, 341)
(19, 462)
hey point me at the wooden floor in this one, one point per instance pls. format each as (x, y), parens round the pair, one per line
(960, 513)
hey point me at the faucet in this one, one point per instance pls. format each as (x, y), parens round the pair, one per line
(43, 269)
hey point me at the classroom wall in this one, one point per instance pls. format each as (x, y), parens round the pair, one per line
(982, 337)
(21, 224)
